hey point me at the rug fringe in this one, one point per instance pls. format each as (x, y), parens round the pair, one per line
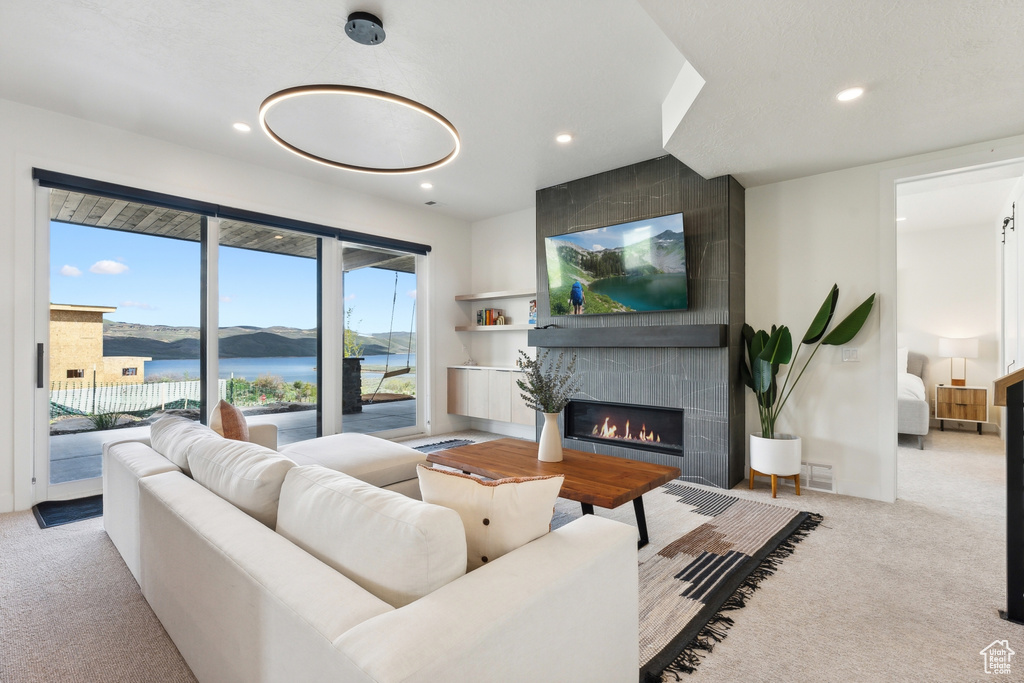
(718, 626)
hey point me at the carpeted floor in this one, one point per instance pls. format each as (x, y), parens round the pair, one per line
(879, 592)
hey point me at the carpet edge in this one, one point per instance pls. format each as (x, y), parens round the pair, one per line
(684, 652)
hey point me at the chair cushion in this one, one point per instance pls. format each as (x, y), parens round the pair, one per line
(174, 436)
(369, 458)
(395, 547)
(229, 422)
(244, 474)
(500, 515)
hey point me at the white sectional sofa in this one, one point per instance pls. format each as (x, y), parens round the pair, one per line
(280, 600)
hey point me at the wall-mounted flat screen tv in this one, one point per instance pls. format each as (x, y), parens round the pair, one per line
(637, 266)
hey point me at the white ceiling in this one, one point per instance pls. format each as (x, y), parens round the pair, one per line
(512, 75)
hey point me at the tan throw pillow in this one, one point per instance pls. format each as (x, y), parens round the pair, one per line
(229, 422)
(500, 515)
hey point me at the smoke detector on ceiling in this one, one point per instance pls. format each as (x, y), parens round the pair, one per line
(365, 28)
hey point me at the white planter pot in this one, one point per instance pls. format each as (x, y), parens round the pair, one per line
(549, 449)
(779, 456)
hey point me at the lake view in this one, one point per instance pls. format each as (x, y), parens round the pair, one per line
(301, 368)
(661, 292)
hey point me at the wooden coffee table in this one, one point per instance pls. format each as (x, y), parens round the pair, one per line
(590, 479)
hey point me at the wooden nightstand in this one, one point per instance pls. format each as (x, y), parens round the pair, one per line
(963, 404)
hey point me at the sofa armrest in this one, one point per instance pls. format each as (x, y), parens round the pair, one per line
(563, 607)
(264, 435)
(124, 464)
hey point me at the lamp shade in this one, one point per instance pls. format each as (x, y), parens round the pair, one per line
(958, 348)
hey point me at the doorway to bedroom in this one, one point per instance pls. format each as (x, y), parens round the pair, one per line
(954, 265)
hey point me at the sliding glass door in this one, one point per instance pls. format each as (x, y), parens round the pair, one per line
(380, 340)
(268, 333)
(131, 296)
(123, 330)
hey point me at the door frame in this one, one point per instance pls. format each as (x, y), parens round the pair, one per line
(930, 165)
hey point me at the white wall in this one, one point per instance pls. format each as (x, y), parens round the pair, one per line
(805, 234)
(503, 257)
(947, 286)
(32, 137)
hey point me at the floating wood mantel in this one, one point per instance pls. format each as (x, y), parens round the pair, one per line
(660, 336)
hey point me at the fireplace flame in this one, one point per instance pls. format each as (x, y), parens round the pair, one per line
(606, 431)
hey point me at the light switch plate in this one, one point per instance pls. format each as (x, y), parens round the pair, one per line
(851, 355)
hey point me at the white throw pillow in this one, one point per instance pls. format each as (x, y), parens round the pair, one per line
(174, 436)
(901, 359)
(246, 475)
(395, 547)
(499, 515)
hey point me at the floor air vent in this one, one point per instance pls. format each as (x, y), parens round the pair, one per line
(814, 476)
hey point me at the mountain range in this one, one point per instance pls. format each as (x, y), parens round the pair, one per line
(163, 342)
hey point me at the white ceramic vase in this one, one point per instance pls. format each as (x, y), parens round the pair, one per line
(779, 456)
(550, 447)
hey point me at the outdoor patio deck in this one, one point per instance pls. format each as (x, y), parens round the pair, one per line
(79, 456)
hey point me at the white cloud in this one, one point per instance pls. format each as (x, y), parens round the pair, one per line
(137, 304)
(350, 297)
(597, 247)
(106, 267)
(411, 293)
(70, 271)
(226, 299)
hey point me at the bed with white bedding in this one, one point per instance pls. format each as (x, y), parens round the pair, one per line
(912, 403)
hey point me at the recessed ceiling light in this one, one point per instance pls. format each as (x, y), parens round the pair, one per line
(426, 186)
(564, 138)
(242, 127)
(278, 237)
(850, 94)
(901, 218)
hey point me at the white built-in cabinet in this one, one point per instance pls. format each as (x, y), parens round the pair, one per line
(488, 393)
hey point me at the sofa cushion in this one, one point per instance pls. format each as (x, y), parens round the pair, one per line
(395, 547)
(500, 515)
(174, 436)
(244, 474)
(229, 422)
(374, 460)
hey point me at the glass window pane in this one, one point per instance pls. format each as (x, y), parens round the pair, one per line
(380, 340)
(124, 325)
(268, 327)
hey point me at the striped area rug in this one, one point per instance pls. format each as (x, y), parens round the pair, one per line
(708, 552)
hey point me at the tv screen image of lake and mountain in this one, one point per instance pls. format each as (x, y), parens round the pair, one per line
(636, 266)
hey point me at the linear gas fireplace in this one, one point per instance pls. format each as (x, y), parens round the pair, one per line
(649, 428)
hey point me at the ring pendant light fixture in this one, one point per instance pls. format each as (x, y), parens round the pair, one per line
(361, 28)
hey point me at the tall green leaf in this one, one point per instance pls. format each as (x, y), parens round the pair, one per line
(851, 324)
(779, 349)
(823, 318)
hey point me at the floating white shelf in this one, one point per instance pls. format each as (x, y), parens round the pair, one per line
(492, 328)
(484, 296)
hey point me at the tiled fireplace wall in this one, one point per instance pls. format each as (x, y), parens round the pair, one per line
(703, 381)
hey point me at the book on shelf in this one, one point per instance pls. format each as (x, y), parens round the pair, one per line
(489, 316)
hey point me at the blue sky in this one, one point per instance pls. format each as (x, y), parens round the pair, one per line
(612, 236)
(155, 281)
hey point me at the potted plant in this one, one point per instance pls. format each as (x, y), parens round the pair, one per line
(548, 393)
(772, 453)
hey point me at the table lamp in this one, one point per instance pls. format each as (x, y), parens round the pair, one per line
(958, 348)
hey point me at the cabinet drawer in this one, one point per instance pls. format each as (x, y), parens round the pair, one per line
(965, 397)
(959, 411)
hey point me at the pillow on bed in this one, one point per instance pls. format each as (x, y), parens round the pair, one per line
(901, 359)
